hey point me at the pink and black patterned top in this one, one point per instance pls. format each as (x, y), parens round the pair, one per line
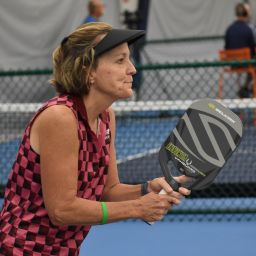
(25, 227)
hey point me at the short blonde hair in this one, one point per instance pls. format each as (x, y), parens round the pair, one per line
(74, 59)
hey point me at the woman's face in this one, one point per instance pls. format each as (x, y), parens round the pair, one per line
(113, 75)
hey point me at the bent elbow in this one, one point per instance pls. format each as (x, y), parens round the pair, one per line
(57, 219)
(61, 216)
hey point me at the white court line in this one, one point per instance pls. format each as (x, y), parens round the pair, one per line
(19, 107)
(137, 156)
(122, 106)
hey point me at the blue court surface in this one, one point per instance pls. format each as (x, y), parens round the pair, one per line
(172, 238)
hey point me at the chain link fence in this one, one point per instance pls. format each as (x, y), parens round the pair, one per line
(161, 96)
(178, 81)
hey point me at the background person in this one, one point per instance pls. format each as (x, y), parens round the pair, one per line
(239, 35)
(96, 10)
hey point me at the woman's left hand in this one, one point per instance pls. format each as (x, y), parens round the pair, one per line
(156, 185)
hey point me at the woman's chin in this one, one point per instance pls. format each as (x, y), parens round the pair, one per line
(128, 94)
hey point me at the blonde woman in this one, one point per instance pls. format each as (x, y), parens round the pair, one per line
(65, 177)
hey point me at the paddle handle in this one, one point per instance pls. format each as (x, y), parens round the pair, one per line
(162, 192)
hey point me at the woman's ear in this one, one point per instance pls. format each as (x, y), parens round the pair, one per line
(92, 77)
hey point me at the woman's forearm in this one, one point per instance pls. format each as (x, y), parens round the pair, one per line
(121, 205)
(87, 212)
(121, 192)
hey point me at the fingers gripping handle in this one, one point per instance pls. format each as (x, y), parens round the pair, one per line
(174, 184)
(162, 192)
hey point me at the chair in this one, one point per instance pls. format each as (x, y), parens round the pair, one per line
(233, 55)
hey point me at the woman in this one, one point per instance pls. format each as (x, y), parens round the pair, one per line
(65, 176)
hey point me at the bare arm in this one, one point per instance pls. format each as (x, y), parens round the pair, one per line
(58, 146)
(56, 132)
(114, 190)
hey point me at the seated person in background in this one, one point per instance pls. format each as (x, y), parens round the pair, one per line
(95, 10)
(250, 24)
(240, 35)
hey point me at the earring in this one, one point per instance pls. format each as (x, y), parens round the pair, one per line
(91, 82)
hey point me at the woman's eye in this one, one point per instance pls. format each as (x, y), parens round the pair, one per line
(120, 60)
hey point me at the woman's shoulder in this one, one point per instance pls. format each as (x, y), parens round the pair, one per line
(58, 109)
(57, 112)
(57, 106)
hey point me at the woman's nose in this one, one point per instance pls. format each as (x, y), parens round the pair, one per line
(132, 70)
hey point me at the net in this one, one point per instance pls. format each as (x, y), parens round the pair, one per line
(142, 126)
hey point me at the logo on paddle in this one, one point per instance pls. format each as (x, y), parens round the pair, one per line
(213, 107)
(183, 158)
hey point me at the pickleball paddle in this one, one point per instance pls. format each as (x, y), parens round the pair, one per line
(201, 143)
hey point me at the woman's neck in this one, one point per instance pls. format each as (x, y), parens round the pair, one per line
(95, 106)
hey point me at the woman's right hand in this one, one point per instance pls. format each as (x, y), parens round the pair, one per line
(153, 207)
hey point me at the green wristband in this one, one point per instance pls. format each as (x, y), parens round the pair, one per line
(104, 213)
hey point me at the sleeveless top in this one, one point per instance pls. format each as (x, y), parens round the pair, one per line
(25, 227)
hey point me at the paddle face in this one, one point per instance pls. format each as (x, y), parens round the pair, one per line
(204, 138)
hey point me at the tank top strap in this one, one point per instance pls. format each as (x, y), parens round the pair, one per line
(58, 100)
